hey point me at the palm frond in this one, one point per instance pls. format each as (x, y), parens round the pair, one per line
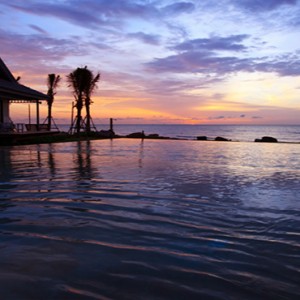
(52, 83)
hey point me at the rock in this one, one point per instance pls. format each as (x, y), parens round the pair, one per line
(269, 139)
(106, 133)
(221, 139)
(138, 135)
(153, 135)
(202, 138)
(266, 139)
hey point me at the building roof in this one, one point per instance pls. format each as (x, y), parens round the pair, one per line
(10, 89)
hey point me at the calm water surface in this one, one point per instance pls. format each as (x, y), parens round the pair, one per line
(126, 219)
(245, 133)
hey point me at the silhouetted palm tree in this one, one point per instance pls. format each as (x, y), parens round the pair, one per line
(52, 83)
(91, 84)
(83, 83)
(76, 80)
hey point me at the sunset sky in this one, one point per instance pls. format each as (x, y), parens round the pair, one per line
(191, 62)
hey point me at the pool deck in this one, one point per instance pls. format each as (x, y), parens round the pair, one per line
(14, 138)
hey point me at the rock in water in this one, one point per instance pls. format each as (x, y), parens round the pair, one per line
(219, 138)
(202, 138)
(266, 139)
(136, 135)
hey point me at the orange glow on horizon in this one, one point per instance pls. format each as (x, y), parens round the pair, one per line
(136, 107)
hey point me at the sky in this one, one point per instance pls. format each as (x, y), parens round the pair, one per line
(161, 62)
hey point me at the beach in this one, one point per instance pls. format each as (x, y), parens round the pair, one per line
(150, 219)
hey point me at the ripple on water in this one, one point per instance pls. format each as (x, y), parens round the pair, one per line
(155, 220)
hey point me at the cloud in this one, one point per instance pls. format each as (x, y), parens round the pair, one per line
(217, 118)
(200, 62)
(100, 46)
(178, 8)
(197, 59)
(94, 13)
(284, 65)
(89, 13)
(265, 5)
(30, 52)
(199, 56)
(38, 29)
(164, 87)
(119, 8)
(73, 14)
(230, 43)
(46, 47)
(146, 38)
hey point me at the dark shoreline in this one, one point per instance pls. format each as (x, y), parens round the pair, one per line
(62, 137)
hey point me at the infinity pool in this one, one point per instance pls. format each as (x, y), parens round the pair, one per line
(131, 219)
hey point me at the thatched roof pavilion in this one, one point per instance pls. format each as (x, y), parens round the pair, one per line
(13, 92)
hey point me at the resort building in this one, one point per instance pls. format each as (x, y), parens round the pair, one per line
(11, 91)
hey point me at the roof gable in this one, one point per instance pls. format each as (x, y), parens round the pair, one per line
(5, 74)
(10, 89)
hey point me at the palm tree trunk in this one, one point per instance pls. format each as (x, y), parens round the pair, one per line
(79, 108)
(49, 116)
(88, 116)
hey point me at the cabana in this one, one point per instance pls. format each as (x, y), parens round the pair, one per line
(13, 92)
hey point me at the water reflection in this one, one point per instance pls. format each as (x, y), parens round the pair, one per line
(141, 154)
(83, 162)
(180, 218)
(5, 163)
(51, 160)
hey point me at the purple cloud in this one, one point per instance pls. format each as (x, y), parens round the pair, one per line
(231, 43)
(89, 13)
(178, 8)
(286, 65)
(119, 8)
(200, 62)
(263, 5)
(146, 38)
(39, 48)
(217, 118)
(68, 13)
(198, 56)
(177, 86)
(38, 29)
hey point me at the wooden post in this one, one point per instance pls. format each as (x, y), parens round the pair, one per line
(29, 115)
(72, 117)
(37, 115)
(111, 125)
(1, 112)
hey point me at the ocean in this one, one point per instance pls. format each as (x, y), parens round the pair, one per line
(152, 219)
(245, 133)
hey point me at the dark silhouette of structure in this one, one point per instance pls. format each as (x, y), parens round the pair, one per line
(11, 91)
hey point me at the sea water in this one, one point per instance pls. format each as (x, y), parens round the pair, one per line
(152, 219)
(285, 133)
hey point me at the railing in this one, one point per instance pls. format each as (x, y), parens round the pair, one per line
(35, 127)
(7, 127)
(20, 127)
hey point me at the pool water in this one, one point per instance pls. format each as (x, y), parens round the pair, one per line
(152, 219)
